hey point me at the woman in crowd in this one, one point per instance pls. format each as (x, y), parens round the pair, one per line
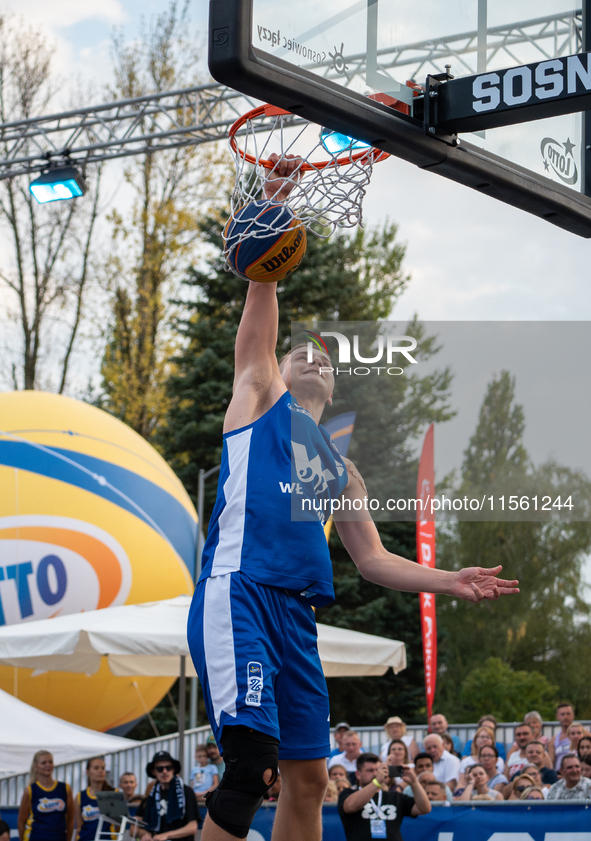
(535, 721)
(397, 753)
(516, 788)
(448, 744)
(483, 736)
(338, 775)
(490, 722)
(585, 760)
(488, 757)
(47, 808)
(332, 794)
(534, 772)
(477, 786)
(532, 793)
(86, 804)
(584, 746)
(396, 729)
(177, 816)
(575, 733)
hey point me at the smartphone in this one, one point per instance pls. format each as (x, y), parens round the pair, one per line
(395, 770)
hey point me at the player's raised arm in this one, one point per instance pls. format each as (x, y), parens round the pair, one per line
(362, 541)
(257, 380)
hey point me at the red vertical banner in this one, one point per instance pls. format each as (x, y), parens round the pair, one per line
(426, 557)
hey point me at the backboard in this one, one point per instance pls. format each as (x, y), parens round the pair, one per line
(341, 63)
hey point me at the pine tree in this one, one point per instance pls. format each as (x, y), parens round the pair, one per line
(546, 627)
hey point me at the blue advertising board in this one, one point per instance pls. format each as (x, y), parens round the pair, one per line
(482, 822)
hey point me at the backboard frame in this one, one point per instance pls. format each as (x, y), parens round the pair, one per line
(233, 61)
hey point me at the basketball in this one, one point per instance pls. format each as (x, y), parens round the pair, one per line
(265, 241)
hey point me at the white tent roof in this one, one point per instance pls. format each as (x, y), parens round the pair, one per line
(24, 730)
(149, 639)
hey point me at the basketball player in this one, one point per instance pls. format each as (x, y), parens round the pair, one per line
(251, 627)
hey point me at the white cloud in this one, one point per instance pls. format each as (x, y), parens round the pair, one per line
(60, 13)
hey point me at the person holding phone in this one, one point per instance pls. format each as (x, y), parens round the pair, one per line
(370, 811)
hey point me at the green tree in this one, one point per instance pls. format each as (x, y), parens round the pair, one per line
(546, 627)
(348, 278)
(495, 689)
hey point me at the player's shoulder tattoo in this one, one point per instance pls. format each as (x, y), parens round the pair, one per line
(352, 471)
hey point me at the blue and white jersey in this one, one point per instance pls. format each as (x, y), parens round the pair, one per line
(276, 481)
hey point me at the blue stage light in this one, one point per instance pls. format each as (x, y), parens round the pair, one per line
(336, 143)
(60, 183)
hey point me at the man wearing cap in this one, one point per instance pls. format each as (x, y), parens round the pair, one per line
(214, 755)
(170, 810)
(341, 728)
(396, 729)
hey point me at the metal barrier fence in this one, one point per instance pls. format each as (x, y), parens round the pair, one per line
(372, 738)
(136, 758)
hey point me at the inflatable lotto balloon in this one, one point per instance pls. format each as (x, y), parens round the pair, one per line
(90, 516)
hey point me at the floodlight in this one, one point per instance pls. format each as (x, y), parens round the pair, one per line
(335, 143)
(58, 184)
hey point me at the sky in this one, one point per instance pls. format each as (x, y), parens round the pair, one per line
(470, 258)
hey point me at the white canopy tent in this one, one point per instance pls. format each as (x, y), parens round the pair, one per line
(151, 639)
(24, 730)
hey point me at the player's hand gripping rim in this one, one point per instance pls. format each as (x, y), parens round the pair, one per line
(284, 176)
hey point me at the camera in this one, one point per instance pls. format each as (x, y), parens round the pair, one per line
(395, 770)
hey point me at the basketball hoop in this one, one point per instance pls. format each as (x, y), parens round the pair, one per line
(328, 184)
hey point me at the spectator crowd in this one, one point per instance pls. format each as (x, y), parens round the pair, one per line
(374, 792)
(534, 767)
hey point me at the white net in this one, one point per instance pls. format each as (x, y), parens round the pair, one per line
(326, 189)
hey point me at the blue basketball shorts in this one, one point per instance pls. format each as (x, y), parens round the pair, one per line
(255, 650)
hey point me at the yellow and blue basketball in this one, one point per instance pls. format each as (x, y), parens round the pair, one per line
(265, 241)
(90, 516)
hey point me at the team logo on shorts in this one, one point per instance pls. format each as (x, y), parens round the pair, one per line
(254, 683)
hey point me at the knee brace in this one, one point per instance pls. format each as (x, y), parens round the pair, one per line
(247, 754)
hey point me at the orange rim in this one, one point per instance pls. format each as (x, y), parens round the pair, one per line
(376, 155)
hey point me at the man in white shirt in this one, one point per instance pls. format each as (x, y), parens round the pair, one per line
(352, 750)
(518, 760)
(445, 765)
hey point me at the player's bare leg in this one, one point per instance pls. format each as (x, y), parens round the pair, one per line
(212, 832)
(299, 808)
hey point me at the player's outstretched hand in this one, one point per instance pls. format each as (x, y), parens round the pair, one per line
(474, 584)
(283, 177)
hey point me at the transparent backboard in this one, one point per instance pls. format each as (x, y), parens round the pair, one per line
(377, 46)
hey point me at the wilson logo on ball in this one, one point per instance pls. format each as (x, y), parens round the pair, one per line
(264, 241)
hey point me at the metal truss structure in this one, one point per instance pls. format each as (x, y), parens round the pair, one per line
(204, 114)
(516, 43)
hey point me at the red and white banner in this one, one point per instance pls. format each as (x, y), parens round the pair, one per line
(426, 557)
